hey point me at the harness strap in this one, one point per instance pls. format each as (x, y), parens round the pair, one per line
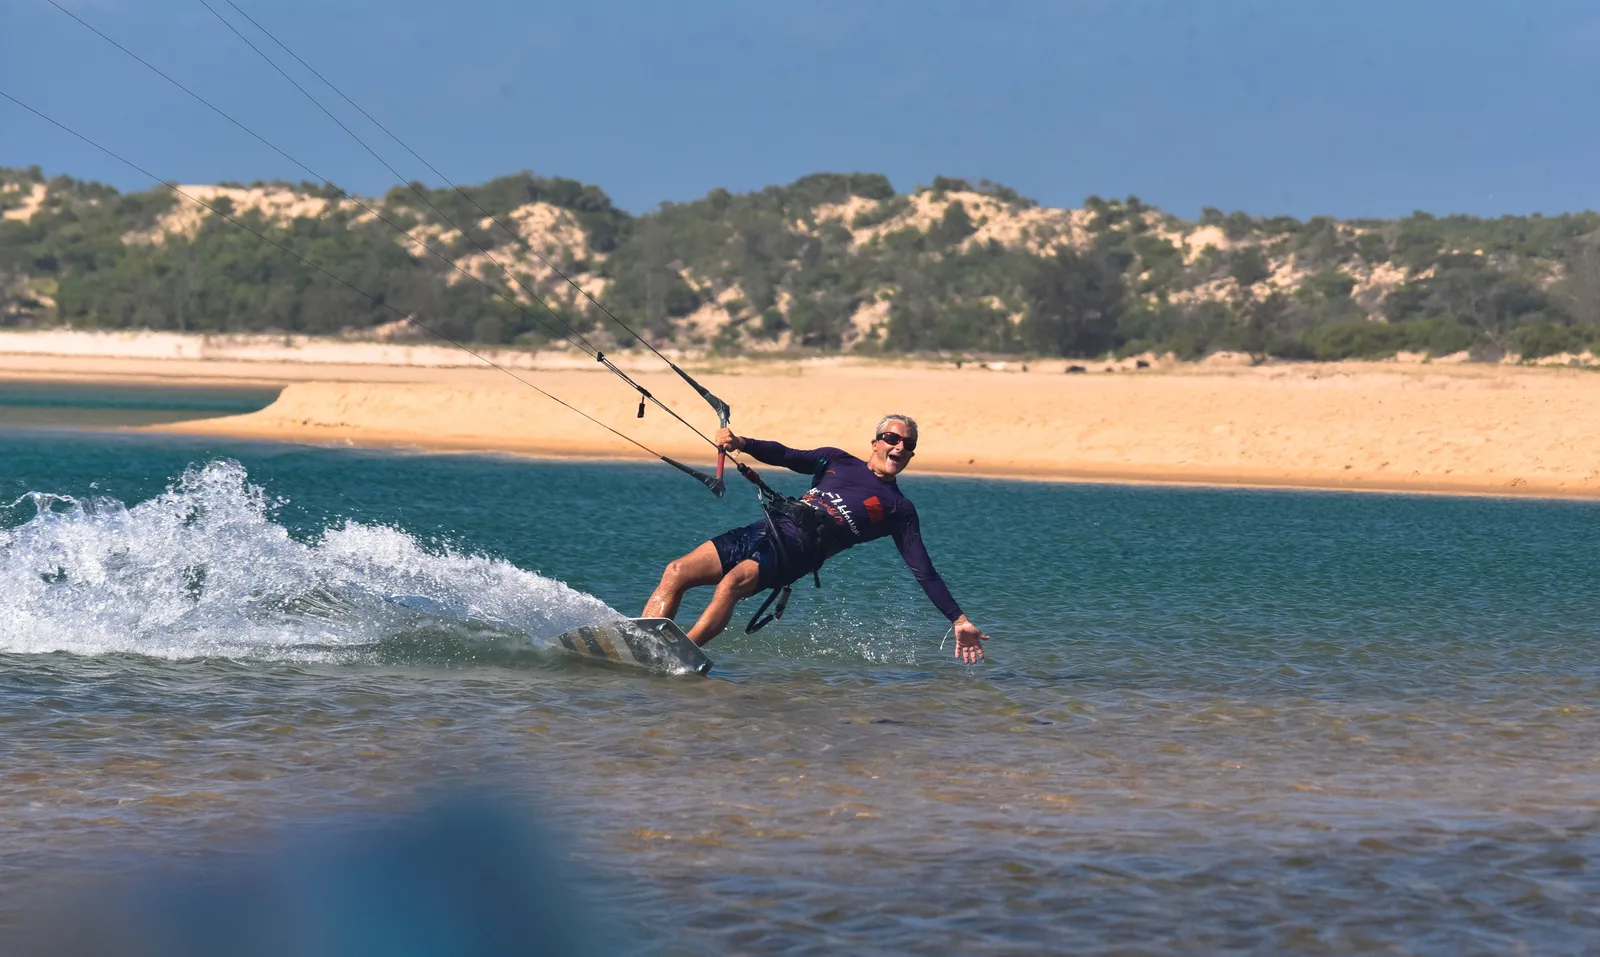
(802, 515)
(757, 622)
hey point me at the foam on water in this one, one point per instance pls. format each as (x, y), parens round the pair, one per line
(204, 570)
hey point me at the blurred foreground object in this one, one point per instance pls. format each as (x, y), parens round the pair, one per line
(467, 878)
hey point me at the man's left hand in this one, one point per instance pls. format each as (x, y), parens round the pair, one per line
(969, 641)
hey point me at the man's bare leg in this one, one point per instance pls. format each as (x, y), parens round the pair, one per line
(740, 582)
(699, 567)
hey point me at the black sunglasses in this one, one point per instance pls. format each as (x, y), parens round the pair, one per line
(895, 438)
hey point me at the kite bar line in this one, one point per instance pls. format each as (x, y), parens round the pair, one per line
(571, 334)
(706, 480)
(717, 404)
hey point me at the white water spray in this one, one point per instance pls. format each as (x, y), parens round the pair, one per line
(203, 570)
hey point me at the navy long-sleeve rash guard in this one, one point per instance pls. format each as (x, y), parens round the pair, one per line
(862, 506)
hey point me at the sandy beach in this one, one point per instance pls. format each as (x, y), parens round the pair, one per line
(1416, 427)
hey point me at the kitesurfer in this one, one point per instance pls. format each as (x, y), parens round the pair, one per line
(851, 501)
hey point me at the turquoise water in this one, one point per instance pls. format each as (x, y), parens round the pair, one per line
(43, 402)
(1288, 723)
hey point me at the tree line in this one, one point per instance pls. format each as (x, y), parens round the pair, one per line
(772, 270)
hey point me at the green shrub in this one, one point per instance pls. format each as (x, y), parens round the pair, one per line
(886, 210)
(729, 340)
(772, 323)
(1549, 338)
(1359, 339)
(488, 330)
(1364, 339)
(1439, 336)
(1238, 225)
(1329, 284)
(954, 227)
(1248, 267)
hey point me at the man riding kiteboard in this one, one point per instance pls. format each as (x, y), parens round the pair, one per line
(851, 501)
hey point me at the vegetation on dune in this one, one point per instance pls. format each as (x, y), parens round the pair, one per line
(829, 262)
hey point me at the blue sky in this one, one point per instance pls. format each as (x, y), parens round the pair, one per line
(1349, 108)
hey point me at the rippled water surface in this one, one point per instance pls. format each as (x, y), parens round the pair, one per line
(1278, 722)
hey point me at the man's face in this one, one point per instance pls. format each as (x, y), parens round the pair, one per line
(897, 449)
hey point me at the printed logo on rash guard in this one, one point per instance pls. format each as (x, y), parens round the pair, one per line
(874, 509)
(833, 505)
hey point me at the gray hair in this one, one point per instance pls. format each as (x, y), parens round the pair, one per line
(906, 420)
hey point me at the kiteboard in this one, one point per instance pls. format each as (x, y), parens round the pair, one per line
(654, 643)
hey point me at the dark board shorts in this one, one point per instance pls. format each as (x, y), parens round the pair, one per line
(755, 541)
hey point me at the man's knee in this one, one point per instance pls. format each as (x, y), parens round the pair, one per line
(743, 580)
(699, 567)
(675, 573)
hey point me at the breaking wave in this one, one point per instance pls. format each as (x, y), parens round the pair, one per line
(202, 570)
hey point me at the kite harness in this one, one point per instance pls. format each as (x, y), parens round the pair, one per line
(811, 523)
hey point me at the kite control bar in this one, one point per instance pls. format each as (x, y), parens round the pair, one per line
(722, 457)
(724, 413)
